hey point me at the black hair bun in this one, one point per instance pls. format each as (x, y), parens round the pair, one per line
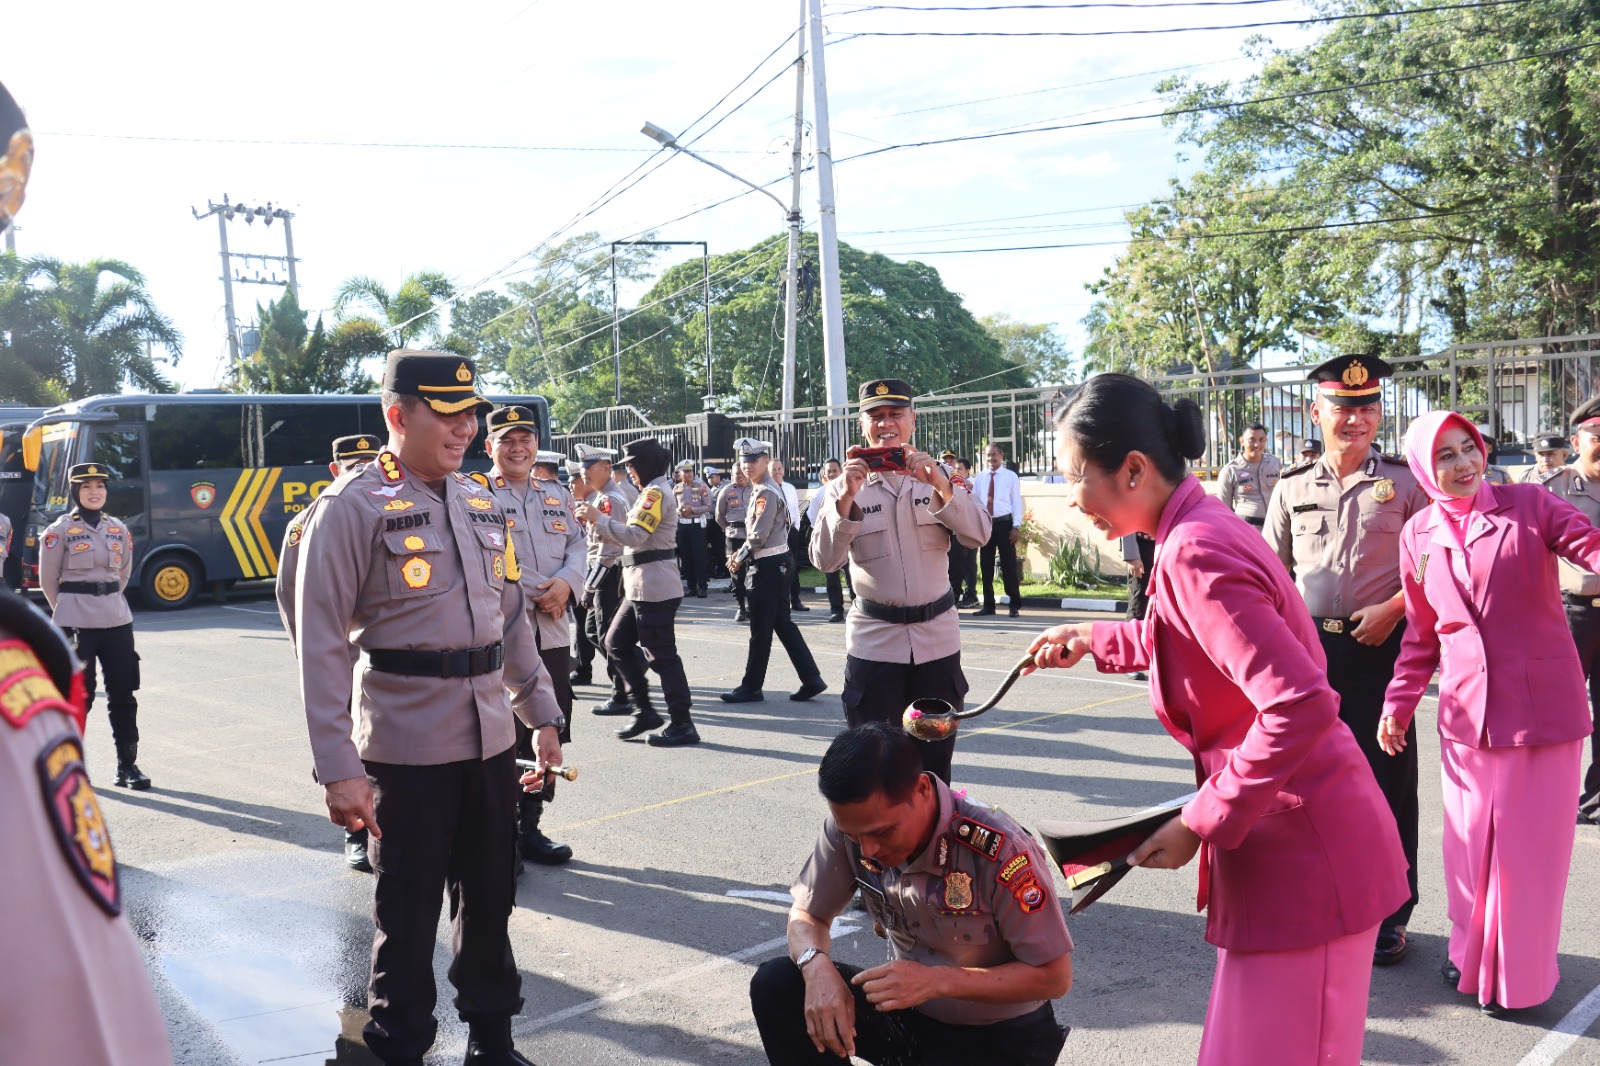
(1185, 427)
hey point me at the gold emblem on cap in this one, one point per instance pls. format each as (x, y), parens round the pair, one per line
(463, 375)
(1355, 374)
(882, 389)
(362, 443)
(512, 416)
(1383, 491)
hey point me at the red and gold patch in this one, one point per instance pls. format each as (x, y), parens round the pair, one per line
(390, 466)
(295, 533)
(25, 688)
(82, 546)
(398, 505)
(79, 826)
(499, 566)
(51, 540)
(416, 572)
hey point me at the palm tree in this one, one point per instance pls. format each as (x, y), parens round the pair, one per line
(410, 312)
(296, 359)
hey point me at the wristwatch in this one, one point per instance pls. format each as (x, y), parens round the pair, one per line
(807, 955)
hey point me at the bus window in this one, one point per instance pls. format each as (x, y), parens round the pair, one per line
(197, 436)
(119, 449)
(302, 434)
(58, 451)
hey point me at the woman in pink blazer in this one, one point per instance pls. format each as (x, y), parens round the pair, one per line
(1299, 856)
(1483, 604)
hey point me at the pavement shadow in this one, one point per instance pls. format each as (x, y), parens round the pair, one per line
(254, 819)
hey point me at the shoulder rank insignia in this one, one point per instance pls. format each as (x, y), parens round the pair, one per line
(25, 689)
(500, 482)
(958, 891)
(390, 466)
(79, 826)
(980, 838)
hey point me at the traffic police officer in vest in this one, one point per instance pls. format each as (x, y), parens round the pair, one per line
(549, 547)
(85, 560)
(647, 617)
(60, 899)
(891, 515)
(694, 505)
(762, 564)
(349, 453)
(1336, 524)
(603, 581)
(408, 559)
(733, 504)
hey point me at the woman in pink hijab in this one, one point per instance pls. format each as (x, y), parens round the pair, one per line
(1478, 571)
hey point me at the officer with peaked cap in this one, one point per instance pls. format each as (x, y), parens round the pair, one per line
(902, 635)
(762, 563)
(603, 580)
(85, 561)
(648, 615)
(1579, 485)
(349, 453)
(694, 505)
(408, 559)
(1336, 524)
(733, 506)
(1550, 451)
(550, 550)
(87, 996)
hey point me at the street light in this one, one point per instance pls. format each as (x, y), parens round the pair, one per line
(790, 271)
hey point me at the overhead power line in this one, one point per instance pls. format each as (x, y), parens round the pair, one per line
(1054, 7)
(369, 144)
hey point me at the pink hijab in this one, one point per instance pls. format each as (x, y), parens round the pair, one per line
(1421, 439)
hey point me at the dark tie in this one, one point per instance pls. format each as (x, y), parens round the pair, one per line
(992, 475)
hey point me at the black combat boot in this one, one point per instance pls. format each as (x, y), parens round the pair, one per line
(676, 735)
(645, 719)
(489, 1044)
(129, 775)
(534, 845)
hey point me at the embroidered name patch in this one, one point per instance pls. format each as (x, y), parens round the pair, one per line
(79, 826)
(647, 512)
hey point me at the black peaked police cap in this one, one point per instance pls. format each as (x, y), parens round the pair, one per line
(1093, 856)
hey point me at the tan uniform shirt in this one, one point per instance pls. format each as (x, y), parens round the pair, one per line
(1584, 494)
(550, 544)
(73, 550)
(694, 501)
(651, 525)
(766, 525)
(733, 504)
(79, 989)
(981, 894)
(602, 551)
(1532, 475)
(1246, 487)
(5, 537)
(629, 490)
(898, 549)
(1342, 541)
(1496, 475)
(389, 562)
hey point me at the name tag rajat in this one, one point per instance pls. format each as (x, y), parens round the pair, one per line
(1302, 508)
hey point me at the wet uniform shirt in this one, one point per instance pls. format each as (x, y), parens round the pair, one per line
(981, 894)
(898, 548)
(73, 550)
(1342, 541)
(1246, 487)
(390, 562)
(549, 542)
(651, 525)
(1584, 494)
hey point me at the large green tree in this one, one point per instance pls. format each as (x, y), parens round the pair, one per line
(295, 359)
(410, 313)
(1034, 345)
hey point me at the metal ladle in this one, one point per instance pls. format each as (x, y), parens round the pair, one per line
(934, 719)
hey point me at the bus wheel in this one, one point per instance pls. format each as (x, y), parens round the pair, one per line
(169, 582)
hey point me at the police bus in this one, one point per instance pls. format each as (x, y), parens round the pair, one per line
(16, 482)
(206, 481)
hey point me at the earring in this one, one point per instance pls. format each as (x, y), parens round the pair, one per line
(1132, 483)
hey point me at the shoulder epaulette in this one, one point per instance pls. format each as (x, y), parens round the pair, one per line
(985, 840)
(1391, 457)
(1296, 470)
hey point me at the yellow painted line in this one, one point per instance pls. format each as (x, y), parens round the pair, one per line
(227, 525)
(255, 519)
(241, 520)
(1056, 714)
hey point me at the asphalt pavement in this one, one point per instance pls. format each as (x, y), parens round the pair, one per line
(641, 949)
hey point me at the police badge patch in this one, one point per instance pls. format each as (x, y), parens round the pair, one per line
(79, 826)
(958, 891)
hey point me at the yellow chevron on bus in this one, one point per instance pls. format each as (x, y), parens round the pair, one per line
(241, 521)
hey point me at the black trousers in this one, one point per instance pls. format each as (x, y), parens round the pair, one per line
(446, 829)
(769, 614)
(1584, 622)
(963, 571)
(1359, 673)
(896, 1038)
(881, 692)
(739, 595)
(113, 650)
(652, 627)
(1139, 591)
(692, 554)
(583, 648)
(800, 551)
(607, 601)
(558, 664)
(716, 550)
(836, 582)
(1000, 541)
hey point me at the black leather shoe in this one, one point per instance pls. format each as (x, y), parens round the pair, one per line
(355, 853)
(740, 695)
(807, 690)
(970, 601)
(1452, 976)
(836, 616)
(490, 1045)
(1492, 1009)
(615, 708)
(1139, 675)
(700, 593)
(643, 722)
(1015, 611)
(128, 773)
(798, 607)
(537, 847)
(675, 735)
(981, 612)
(742, 616)
(1391, 947)
(577, 678)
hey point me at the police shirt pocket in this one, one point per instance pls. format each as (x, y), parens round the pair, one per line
(494, 555)
(933, 534)
(872, 542)
(413, 563)
(79, 554)
(1384, 521)
(1310, 524)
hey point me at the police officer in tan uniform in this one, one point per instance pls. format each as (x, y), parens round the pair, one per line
(5, 540)
(85, 560)
(583, 650)
(733, 504)
(954, 886)
(694, 506)
(408, 560)
(648, 534)
(603, 580)
(716, 546)
(550, 555)
(623, 481)
(1246, 483)
(1550, 451)
(902, 636)
(79, 991)
(349, 453)
(1336, 524)
(762, 563)
(1579, 485)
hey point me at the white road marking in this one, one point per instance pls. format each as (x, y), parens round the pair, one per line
(248, 610)
(760, 893)
(1566, 1032)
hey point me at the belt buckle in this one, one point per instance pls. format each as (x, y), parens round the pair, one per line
(1595, 602)
(1333, 625)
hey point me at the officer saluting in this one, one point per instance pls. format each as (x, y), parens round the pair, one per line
(1336, 524)
(408, 560)
(762, 564)
(902, 636)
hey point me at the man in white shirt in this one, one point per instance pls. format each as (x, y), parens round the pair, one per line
(999, 492)
(831, 468)
(798, 538)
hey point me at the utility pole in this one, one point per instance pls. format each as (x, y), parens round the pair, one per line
(11, 238)
(226, 212)
(791, 270)
(827, 239)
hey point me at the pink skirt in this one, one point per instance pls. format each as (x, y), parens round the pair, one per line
(1508, 832)
(1290, 1008)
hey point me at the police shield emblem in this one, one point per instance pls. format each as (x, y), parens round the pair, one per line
(203, 493)
(79, 826)
(958, 891)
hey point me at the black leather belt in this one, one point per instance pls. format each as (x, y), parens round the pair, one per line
(640, 558)
(90, 588)
(1571, 599)
(1335, 625)
(906, 615)
(469, 662)
(1259, 523)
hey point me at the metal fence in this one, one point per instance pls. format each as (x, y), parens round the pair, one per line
(1518, 388)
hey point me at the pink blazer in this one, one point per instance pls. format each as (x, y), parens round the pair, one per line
(1510, 674)
(1300, 847)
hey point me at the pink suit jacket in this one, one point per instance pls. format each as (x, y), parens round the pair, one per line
(1300, 847)
(1510, 673)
